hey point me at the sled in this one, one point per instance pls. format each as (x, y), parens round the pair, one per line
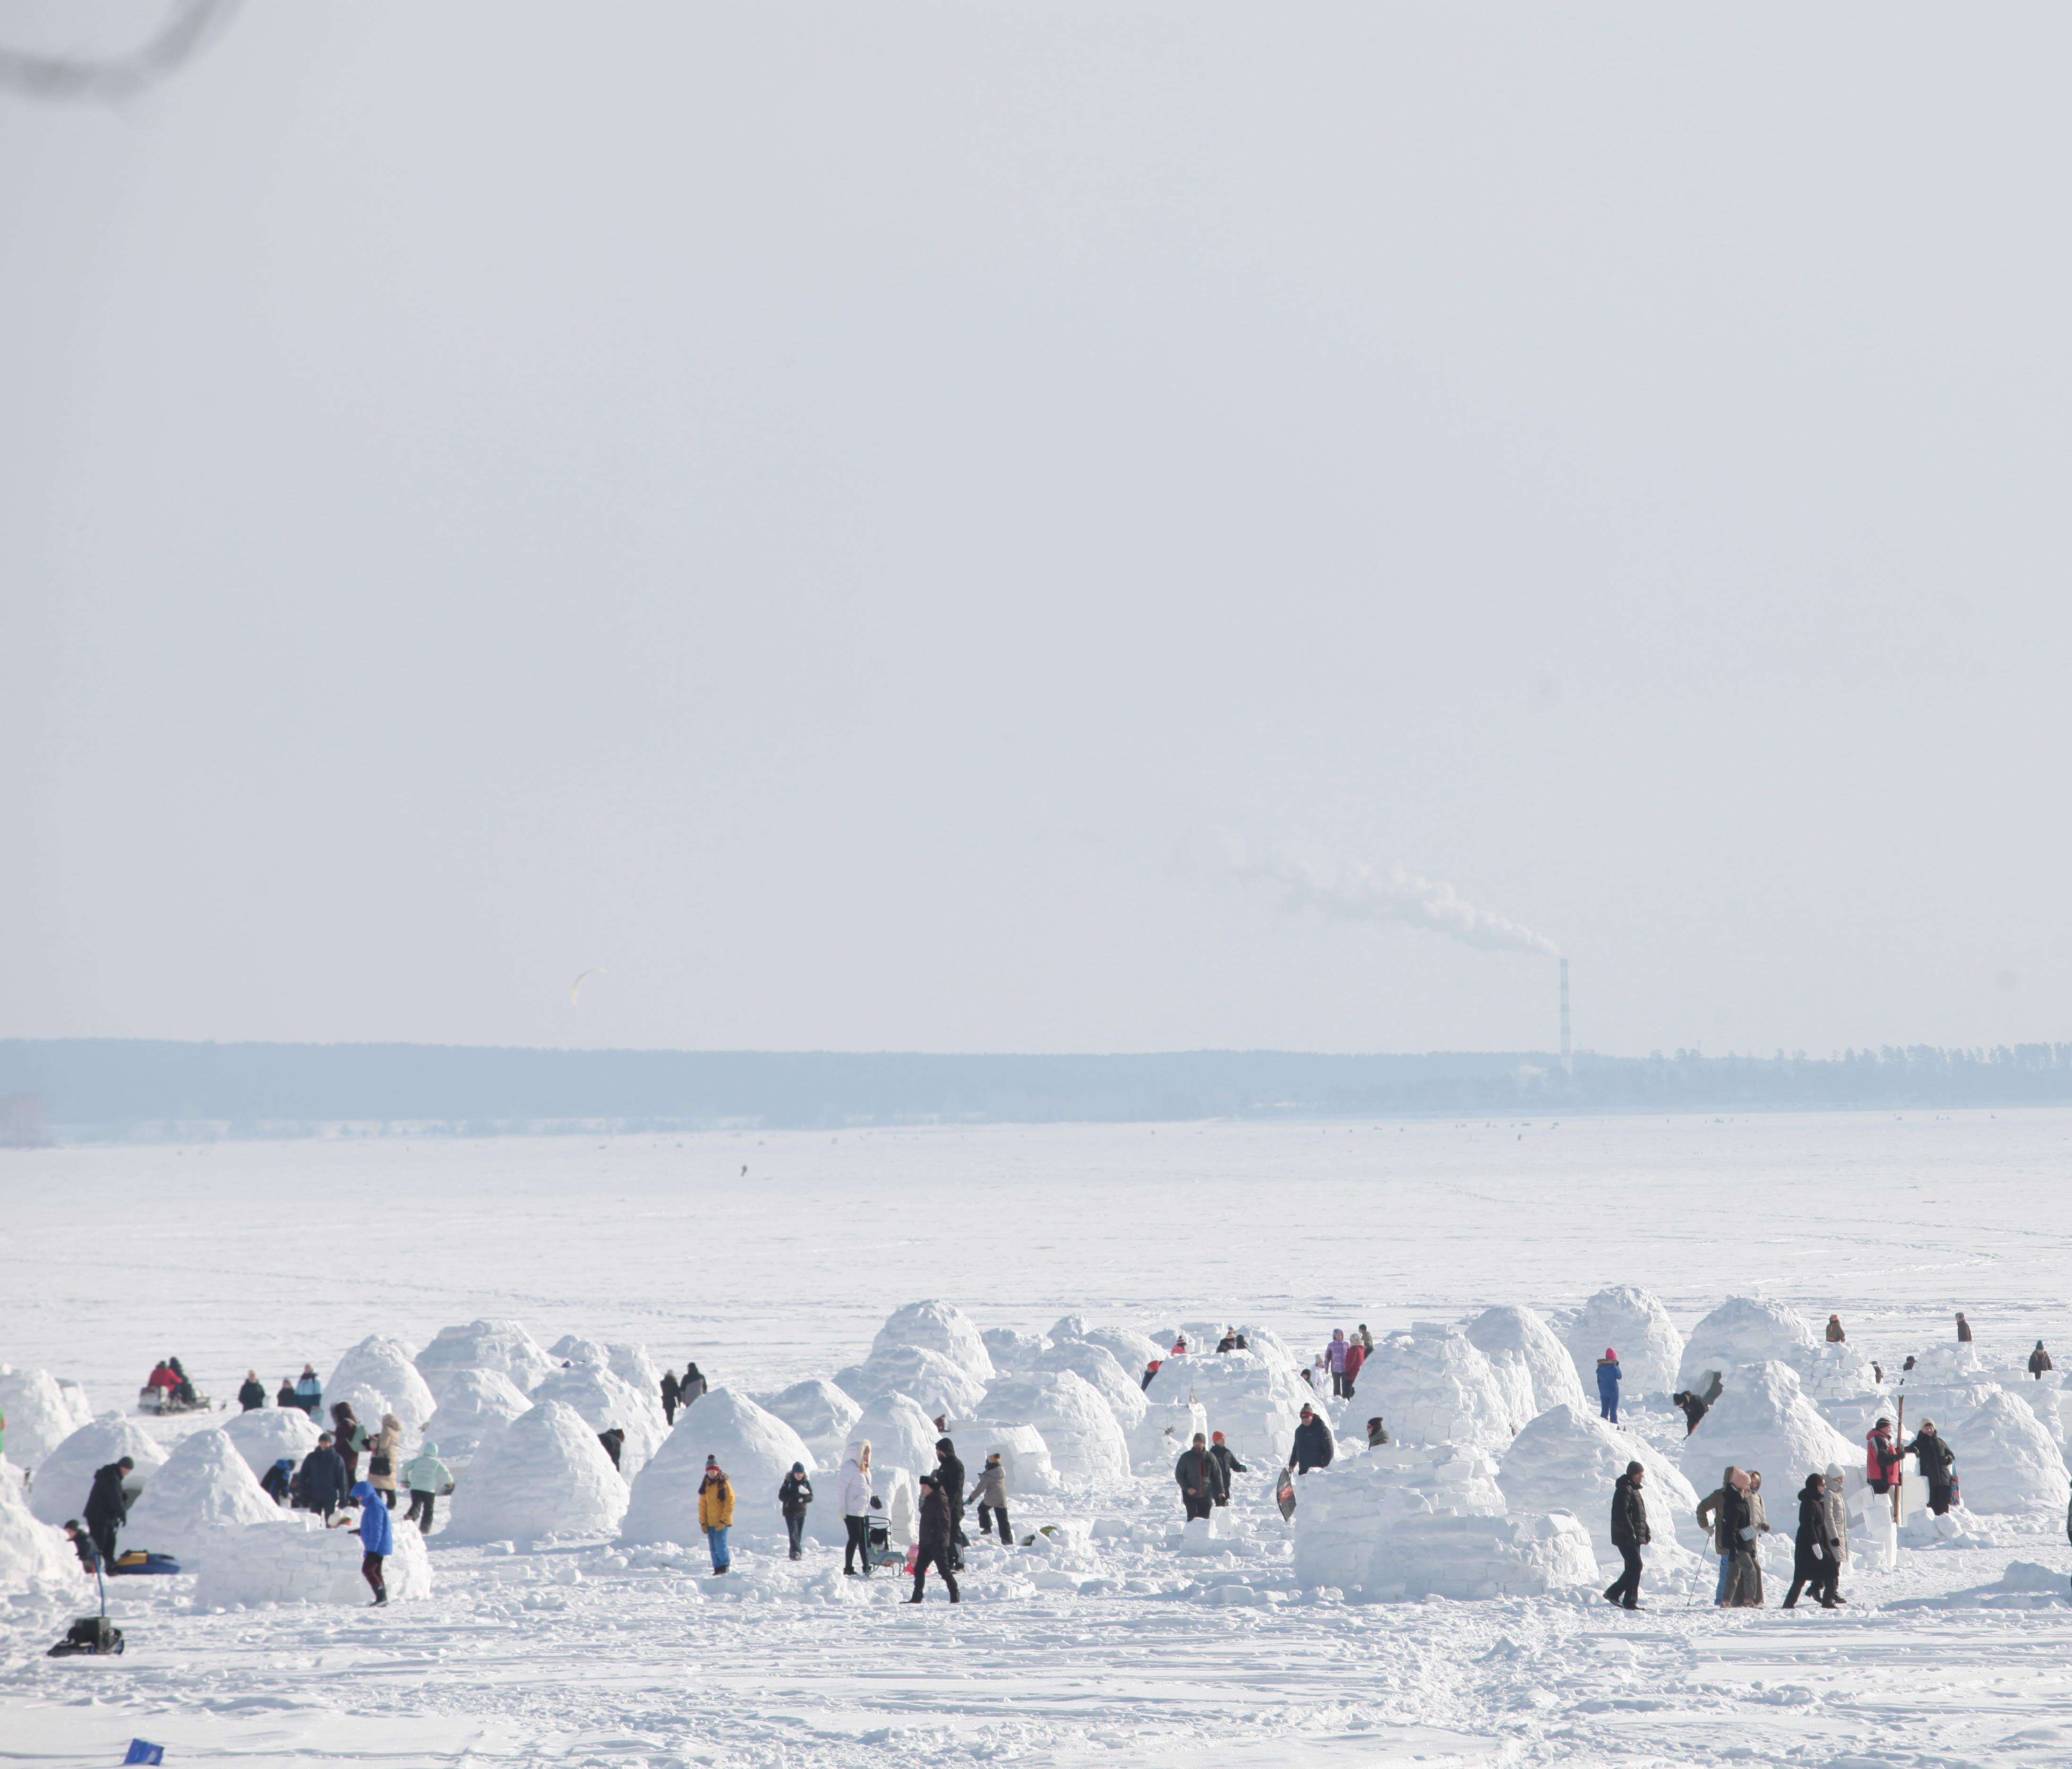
(1284, 1494)
(138, 1561)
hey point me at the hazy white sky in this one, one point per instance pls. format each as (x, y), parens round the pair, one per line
(848, 516)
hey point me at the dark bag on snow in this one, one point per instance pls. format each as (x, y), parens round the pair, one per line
(89, 1634)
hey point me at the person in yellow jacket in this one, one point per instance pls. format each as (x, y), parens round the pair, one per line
(716, 1513)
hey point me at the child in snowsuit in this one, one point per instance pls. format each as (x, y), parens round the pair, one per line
(1609, 1376)
(991, 1495)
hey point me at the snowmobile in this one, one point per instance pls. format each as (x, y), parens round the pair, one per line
(168, 1401)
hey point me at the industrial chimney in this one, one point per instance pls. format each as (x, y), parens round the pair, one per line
(1568, 1063)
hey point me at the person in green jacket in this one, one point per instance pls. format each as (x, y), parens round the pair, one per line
(427, 1477)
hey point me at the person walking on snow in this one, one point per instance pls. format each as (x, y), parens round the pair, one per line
(852, 1494)
(383, 1454)
(1630, 1535)
(1938, 1463)
(322, 1476)
(108, 1506)
(1609, 1376)
(1745, 1573)
(950, 1475)
(1813, 1547)
(2039, 1361)
(377, 1540)
(673, 1397)
(426, 1477)
(1715, 1510)
(1836, 1501)
(1881, 1459)
(692, 1385)
(309, 1390)
(716, 1514)
(1964, 1329)
(1313, 1447)
(1335, 1353)
(252, 1395)
(1197, 1475)
(991, 1495)
(937, 1526)
(1836, 1335)
(792, 1499)
(1226, 1464)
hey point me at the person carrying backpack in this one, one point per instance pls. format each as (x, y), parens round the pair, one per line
(792, 1498)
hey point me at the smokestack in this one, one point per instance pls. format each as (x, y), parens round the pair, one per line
(1568, 1063)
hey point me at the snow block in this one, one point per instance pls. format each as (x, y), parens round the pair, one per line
(1517, 1340)
(205, 1490)
(940, 1327)
(387, 1366)
(1433, 1385)
(66, 1476)
(1570, 1460)
(545, 1475)
(1633, 1322)
(754, 1448)
(1024, 1456)
(1254, 1401)
(502, 1346)
(299, 1560)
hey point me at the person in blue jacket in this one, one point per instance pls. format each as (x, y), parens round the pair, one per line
(1609, 1376)
(377, 1538)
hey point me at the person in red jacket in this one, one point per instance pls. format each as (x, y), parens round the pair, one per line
(1882, 1460)
(1355, 1356)
(162, 1378)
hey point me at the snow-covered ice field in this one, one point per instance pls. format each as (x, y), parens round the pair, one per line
(1113, 1648)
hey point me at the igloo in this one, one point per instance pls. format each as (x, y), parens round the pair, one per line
(1011, 1350)
(573, 1348)
(940, 1327)
(1023, 1454)
(1762, 1420)
(34, 1556)
(820, 1412)
(296, 1559)
(2007, 1460)
(265, 1434)
(898, 1431)
(1085, 1443)
(1255, 1403)
(1633, 1322)
(476, 1407)
(386, 1366)
(203, 1489)
(1743, 1330)
(38, 1416)
(1130, 1348)
(1512, 1338)
(1406, 1522)
(1569, 1459)
(499, 1345)
(544, 1474)
(754, 1448)
(1433, 1386)
(604, 1400)
(1097, 1365)
(1167, 1427)
(631, 1364)
(65, 1475)
(940, 1385)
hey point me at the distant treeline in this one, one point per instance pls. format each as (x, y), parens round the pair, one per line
(88, 1088)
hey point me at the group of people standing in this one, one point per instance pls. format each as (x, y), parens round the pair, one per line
(940, 1539)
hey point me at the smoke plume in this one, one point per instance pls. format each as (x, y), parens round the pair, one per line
(1355, 891)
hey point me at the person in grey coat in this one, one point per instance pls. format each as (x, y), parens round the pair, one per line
(1838, 1527)
(990, 1495)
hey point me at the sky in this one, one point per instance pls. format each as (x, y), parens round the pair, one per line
(935, 528)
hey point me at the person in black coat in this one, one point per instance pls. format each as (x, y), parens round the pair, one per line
(322, 1479)
(950, 1477)
(1814, 1548)
(1313, 1447)
(936, 1531)
(673, 1397)
(1630, 1535)
(614, 1440)
(1200, 1479)
(252, 1395)
(690, 1387)
(792, 1499)
(2039, 1361)
(1226, 1464)
(1938, 1462)
(108, 1507)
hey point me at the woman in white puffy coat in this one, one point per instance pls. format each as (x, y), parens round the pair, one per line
(854, 1493)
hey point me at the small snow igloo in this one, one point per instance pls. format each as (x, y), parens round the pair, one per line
(1568, 1459)
(1744, 1330)
(755, 1449)
(1254, 1401)
(1023, 1454)
(265, 1434)
(1763, 1421)
(502, 1346)
(2008, 1462)
(936, 1385)
(40, 1413)
(1633, 1322)
(1133, 1350)
(1518, 1339)
(1085, 1443)
(940, 1327)
(203, 1490)
(820, 1412)
(899, 1433)
(35, 1556)
(545, 1475)
(65, 1475)
(1432, 1385)
(1406, 1522)
(604, 1400)
(476, 1406)
(1011, 1350)
(1124, 1393)
(386, 1366)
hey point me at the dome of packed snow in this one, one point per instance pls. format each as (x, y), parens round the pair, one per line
(1433, 1386)
(1763, 1421)
(939, 1385)
(1011, 1349)
(1122, 1392)
(605, 1400)
(475, 1407)
(499, 1345)
(40, 1412)
(544, 1474)
(899, 1433)
(1744, 1329)
(1131, 1349)
(820, 1412)
(2007, 1460)
(940, 1327)
(385, 1367)
(65, 1475)
(1516, 1340)
(1085, 1443)
(265, 1434)
(204, 1489)
(1632, 1323)
(34, 1555)
(1568, 1459)
(755, 1450)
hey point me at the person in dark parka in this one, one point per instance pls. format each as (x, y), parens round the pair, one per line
(614, 1440)
(252, 1395)
(2039, 1361)
(1964, 1329)
(1938, 1462)
(1199, 1477)
(690, 1387)
(1630, 1535)
(792, 1498)
(1313, 1447)
(107, 1507)
(323, 1478)
(1814, 1548)
(673, 1397)
(1227, 1465)
(950, 1477)
(936, 1530)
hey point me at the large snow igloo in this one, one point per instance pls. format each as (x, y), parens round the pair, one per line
(65, 1475)
(35, 1556)
(205, 1490)
(1744, 1330)
(386, 1366)
(544, 1474)
(755, 1449)
(604, 1400)
(499, 1345)
(1123, 1392)
(1432, 1385)
(265, 1434)
(899, 1433)
(939, 1386)
(1085, 1443)
(1255, 1402)
(941, 1328)
(1633, 1322)
(820, 1412)
(1763, 1421)
(473, 1411)
(2008, 1462)
(1569, 1459)
(1406, 1522)
(40, 1412)
(1516, 1340)
(1131, 1347)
